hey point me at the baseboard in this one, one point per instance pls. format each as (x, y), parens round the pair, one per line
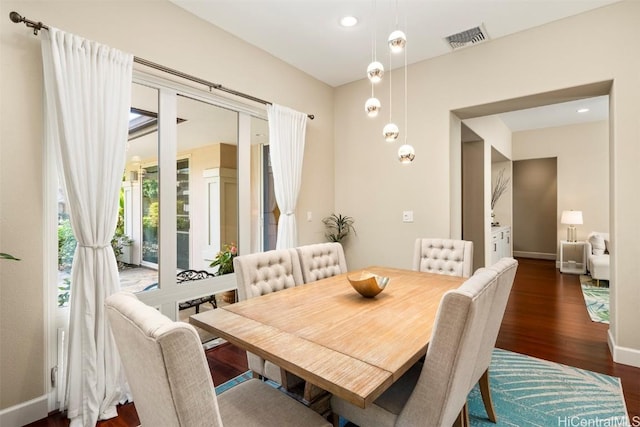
(535, 255)
(24, 413)
(623, 355)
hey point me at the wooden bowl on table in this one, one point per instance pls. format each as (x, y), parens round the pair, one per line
(368, 284)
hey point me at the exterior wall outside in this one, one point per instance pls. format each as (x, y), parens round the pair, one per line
(375, 188)
(160, 32)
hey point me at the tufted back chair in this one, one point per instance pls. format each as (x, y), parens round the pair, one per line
(260, 274)
(506, 273)
(321, 260)
(171, 382)
(265, 272)
(444, 256)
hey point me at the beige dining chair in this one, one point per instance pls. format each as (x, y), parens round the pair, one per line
(435, 393)
(443, 256)
(506, 271)
(321, 260)
(169, 377)
(260, 274)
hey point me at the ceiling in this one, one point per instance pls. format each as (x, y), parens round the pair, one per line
(307, 34)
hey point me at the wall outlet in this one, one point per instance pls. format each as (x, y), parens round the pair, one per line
(407, 216)
(309, 216)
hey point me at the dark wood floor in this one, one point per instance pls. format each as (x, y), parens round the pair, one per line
(545, 318)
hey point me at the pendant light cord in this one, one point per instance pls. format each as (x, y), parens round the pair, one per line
(406, 108)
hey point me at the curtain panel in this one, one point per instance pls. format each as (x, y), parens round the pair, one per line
(287, 130)
(88, 97)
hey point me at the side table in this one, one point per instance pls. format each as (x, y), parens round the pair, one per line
(573, 257)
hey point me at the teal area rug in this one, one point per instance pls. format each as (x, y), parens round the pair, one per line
(530, 392)
(596, 298)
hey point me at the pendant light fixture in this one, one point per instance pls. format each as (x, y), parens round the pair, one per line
(397, 39)
(406, 153)
(375, 71)
(390, 130)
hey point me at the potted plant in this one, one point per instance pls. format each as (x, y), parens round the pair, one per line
(224, 262)
(338, 227)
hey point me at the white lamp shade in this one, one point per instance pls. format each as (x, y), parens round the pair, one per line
(571, 217)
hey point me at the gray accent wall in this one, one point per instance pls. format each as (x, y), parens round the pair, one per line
(535, 195)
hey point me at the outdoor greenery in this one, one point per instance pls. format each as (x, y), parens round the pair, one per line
(338, 227)
(67, 246)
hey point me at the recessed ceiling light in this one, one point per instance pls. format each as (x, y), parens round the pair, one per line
(348, 21)
(583, 110)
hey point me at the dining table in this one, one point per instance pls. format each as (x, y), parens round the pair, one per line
(334, 338)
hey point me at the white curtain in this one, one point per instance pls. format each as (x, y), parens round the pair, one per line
(286, 139)
(88, 96)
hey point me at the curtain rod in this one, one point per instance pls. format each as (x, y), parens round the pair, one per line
(37, 26)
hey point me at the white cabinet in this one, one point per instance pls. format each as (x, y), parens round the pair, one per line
(573, 257)
(500, 243)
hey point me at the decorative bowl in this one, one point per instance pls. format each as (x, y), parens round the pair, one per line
(368, 284)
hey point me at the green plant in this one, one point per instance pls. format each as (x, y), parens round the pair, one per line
(66, 245)
(8, 256)
(224, 259)
(64, 292)
(338, 227)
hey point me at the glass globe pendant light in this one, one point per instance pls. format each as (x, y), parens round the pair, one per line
(372, 106)
(375, 71)
(390, 132)
(406, 153)
(397, 41)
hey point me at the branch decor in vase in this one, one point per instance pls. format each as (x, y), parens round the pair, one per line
(501, 185)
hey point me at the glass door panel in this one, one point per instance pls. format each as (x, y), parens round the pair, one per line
(207, 183)
(141, 201)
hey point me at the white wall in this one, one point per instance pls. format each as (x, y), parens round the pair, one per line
(162, 33)
(496, 136)
(374, 188)
(582, 151)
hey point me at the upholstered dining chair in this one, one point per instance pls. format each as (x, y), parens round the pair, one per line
(169, 377)
(443, 256)
(506, 273)
(260, 274)
(321, 260)
(435, 393)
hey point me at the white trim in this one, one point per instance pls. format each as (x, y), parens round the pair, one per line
(25, 412)
(198, 93)
(623, 355)
(536, 255)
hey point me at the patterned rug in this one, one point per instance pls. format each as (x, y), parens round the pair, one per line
(530, 392)
(596, 298)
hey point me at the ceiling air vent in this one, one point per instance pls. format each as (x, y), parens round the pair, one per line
(467, 38)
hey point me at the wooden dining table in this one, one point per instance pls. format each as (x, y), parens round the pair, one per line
(331, 336)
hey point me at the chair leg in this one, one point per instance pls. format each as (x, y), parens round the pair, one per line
(486, 396)
(335, 419)
(463, 417)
